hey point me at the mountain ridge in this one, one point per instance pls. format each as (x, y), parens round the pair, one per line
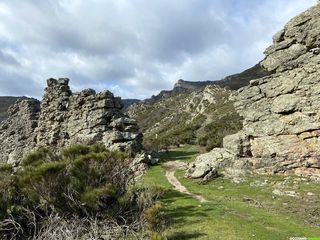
(5, 103)
(232, 82)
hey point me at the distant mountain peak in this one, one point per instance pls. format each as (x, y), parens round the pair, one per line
(191, 85)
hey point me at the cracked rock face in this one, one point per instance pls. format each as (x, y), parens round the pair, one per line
(281, 127)
(16, 132)
(65, 118)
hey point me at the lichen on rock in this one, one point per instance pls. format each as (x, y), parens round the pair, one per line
(66, 118)
(17, 132)
(281, 118)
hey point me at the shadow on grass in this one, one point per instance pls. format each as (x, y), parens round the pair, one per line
(184, 235)
(183, 215)
(177, 155)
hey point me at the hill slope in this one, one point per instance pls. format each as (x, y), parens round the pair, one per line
(198, 112)
(242, 79)
(232, 82)
(188, 118)
(5, 103)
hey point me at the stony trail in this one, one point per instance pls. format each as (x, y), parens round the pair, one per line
(171, 167)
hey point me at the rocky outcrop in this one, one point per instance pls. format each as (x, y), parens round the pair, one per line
(180, 87)
(204, 166)
(128, 102)
(66, 118)
(281, 126)
(5, 103)
(17, 132)
(188, 86)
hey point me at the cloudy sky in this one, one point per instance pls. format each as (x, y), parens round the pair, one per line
(134, 48)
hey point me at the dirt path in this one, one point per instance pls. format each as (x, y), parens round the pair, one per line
(171, 167)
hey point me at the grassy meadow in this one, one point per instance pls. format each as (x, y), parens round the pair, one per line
(247, 210)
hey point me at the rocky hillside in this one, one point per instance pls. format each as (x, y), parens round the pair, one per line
(242, 79)
(63, 118)
(192, 111)
(181, 86)
(188, 118)
(5, 103)
(232, 82)
(281, 126)
(128, 102)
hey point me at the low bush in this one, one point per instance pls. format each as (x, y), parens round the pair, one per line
(153, 218)
(84, 182)
(43, 154)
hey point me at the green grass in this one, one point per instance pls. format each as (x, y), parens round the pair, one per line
(236, 211)
(186, 153)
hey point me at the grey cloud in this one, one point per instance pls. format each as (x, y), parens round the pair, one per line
(7, 59)
(13, 84)
(136, 48)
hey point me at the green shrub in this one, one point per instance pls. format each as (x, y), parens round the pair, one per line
(83, 182)
(75, 150)
(215, 131)
(153, 217)
(93, 197)
(42, 154)
(5, 168)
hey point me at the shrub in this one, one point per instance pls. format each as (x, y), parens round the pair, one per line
(42, 154)
(84, 182)
(153, 218)
(75, 150)
(5, 192)
(94, 197)
(156, 236)
(5, 168)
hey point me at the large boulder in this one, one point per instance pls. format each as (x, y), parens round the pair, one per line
(238, 144)
(209, 162)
